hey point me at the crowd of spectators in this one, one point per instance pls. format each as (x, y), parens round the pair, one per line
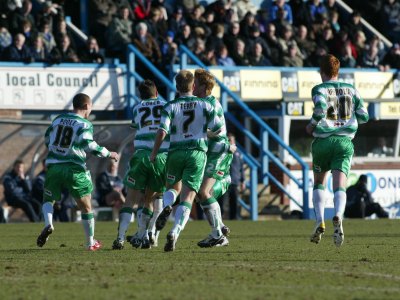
(293, 33)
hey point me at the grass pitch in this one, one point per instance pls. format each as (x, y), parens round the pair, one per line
(265, 260)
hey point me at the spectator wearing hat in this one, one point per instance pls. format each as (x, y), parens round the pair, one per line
(288, 16)
(169, 49)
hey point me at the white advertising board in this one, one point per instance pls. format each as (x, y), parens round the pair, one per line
(384, 186)
(52, 88)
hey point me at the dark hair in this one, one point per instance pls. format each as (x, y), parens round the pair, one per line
(80, 100)
(363, 178)
(147, 89)
(18, 162)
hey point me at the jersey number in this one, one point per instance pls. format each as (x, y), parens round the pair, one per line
(147, 111)
(63, 136)
(190, 117)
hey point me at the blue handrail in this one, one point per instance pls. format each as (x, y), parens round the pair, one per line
(262, 142)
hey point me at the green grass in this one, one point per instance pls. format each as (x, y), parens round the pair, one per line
(265, 260)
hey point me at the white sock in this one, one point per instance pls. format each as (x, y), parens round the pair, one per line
(125, 216)
(157, 209)
(143, 222)
(211, 211)
(169, 197)
(48, 210)
(319, 203)
(181, 217)
(339, 200)
(88, 227)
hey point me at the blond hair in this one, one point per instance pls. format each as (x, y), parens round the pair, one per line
(205, 78)
(184, 81)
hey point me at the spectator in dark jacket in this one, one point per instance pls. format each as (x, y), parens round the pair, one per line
(17, 51)
(64, 53)
(38, 51)
(237, 181)
(91, 52)
(17, 192)
(110, 189)
(360, 203)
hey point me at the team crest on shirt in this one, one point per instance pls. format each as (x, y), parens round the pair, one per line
(131, 180)
(317, 168)
(220, 173)
(170, 177)
(48, 193)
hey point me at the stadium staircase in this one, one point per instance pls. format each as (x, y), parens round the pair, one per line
(262, 170)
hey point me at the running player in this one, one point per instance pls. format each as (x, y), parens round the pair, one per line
(219, 158)
(338, 109)
(143, 179)
(186, 119)
(67, 139)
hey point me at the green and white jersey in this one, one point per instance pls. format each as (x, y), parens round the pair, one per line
(67, 139)
(338, 109)
(219, 144)
(146, 121)
(186, 119)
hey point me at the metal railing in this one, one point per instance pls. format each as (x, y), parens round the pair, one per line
(260, 141)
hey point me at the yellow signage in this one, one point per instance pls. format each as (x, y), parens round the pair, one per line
(390, 109)
(374, 85)
(260, 85)
(308, 108)
(307, 80)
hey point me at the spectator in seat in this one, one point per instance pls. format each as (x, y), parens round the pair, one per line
(370, 58)
(156, 25)
(301, 13)
(187, 5)
(110, 188)
(185, 37)
(245, 6)
(257, 58)
(5, 39)
(360, 203)
(146, 44)
(209, 58)
(101, 13)
(354, 24)
(141, 9)
(292, 59)
(239, 55)
(216, 39)
(390, 20)
(38, 51)
(48, 37)
(223, 59)
(281, 4)
(64, 53)
(169, 49)
(17, 51)
(61, 30)
(306, 45)
(119, 33)
(392, 59)
(317, 9)
(91, 52)
(17, 192)
(232, 35)
(20, 15)
(346, 58)
(177, 21)
(273, 44)
(248, 22)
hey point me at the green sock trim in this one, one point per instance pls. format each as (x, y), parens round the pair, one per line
(87, 216)
(187, 204)
(319, 187)
(340, 189)
(128, 210)
(208, 201)
(147, 211)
